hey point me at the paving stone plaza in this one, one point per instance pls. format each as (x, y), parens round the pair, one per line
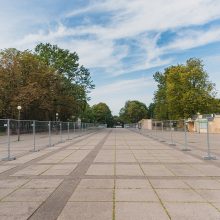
(112, 174)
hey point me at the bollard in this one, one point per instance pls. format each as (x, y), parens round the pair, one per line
(49, 130)
(209, 156)
(8, 158)
(185, 138)
(34, 137)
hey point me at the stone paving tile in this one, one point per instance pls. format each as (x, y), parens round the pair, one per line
(135, 195)
(96, 169)
(179, 195)
(6, 191)
(203, 184)
(5, 168)
(217, 205)
(76, 157)
(29, 195)
(17, 210)
(208, 170)
(32, 170)
(129, 170)
(87, 211)
(169, 184)
(132, 184)
(96, 183)
(184, 170)
(60, 170)
(192, 211)
(139, 211)
(210, 195)
(12, 183)
(27, 158)
(88, 195)
(156, 170)
(42, 183)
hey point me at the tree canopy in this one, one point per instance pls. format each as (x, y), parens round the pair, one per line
(44, 83)
(133, 111)
(102, 114)
(183, 90)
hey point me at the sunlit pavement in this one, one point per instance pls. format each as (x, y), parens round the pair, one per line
(115, 174)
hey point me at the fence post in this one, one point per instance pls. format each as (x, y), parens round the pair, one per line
(49, 129)
(34, 136)
(171, 134)
(68, 130)
(9, 158)
(61, 139)
(185, 137)
(209, 156)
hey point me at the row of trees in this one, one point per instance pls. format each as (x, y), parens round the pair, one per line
(47, 81)
(132, 112)
(183, 91)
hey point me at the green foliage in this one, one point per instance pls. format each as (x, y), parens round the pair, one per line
(151, 109)
(43, 83)
(65, 63)
(183, 90)
(102, 114)
(133, 111)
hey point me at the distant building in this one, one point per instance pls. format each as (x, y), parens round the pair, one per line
(199, 124)
(145, 124)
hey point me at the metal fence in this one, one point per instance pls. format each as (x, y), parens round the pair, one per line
(17, 137)
(176, 133)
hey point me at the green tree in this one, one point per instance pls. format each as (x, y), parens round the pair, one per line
(66, 63)
(151, 110)
(26, 81)
(183, 90)
(43, 88)
(133, 111)
(102, 114)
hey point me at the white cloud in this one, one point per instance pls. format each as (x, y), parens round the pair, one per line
(132, 20)
(120, 91)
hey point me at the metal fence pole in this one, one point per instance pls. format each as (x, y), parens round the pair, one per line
(49, 129)
(209, 156)
(34, 136)
(171, 135)
(185, 137)
(68, 130)
(9, 158)
(61, 139)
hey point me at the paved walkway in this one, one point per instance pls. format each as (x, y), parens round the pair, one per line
(111, 175)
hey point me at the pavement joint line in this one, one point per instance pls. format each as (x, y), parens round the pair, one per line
(215, 163)
(114, 195)
(146, 177)
(28, 163)
(210, 203)
(46, 147)
(59, 198)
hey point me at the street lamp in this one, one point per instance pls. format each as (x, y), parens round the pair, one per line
(57, 114)
(19, 117)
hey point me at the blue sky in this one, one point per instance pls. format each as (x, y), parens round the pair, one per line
(122, 42)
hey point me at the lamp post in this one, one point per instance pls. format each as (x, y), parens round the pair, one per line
(56, 124)
(19, 117)
(57, 114)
